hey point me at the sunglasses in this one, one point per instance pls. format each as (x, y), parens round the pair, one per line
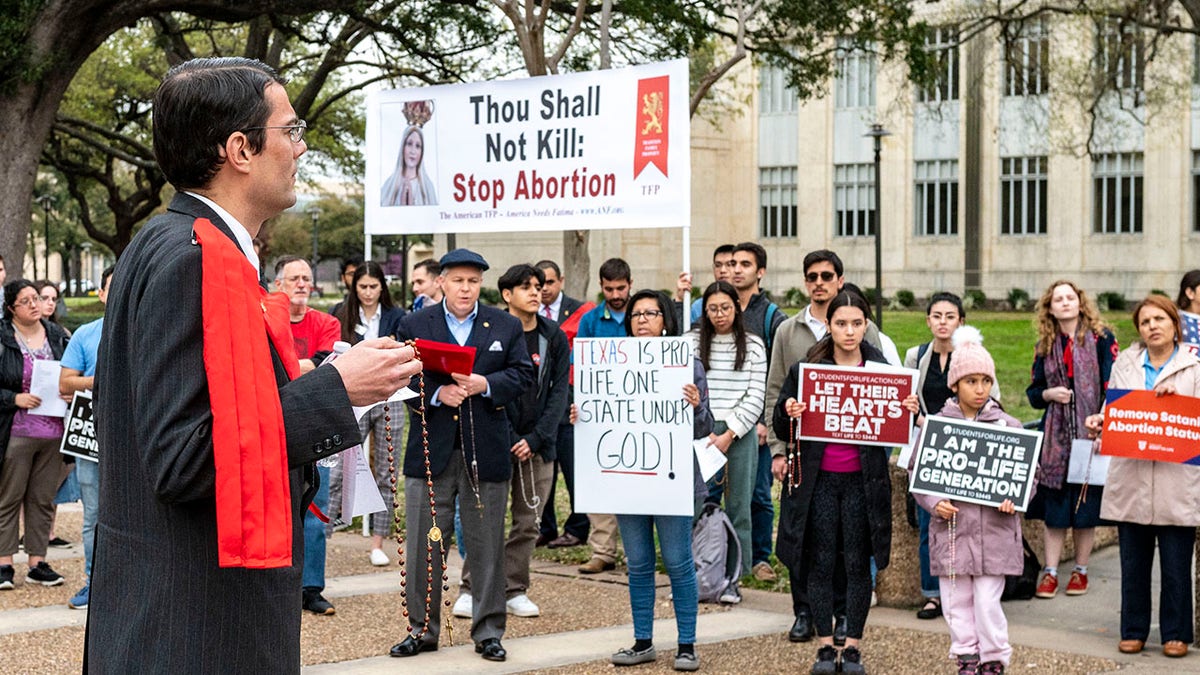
(823, 276)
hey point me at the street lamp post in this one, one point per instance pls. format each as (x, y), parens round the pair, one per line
(315, 212)
(877, 133)
(45, 201)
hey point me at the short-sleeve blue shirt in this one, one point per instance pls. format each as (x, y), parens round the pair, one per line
(81, 350)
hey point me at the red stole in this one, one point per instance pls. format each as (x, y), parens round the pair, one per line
(253, 490)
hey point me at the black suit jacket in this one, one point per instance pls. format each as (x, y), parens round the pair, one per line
(159, 601)
(552, 387)
(501, 357)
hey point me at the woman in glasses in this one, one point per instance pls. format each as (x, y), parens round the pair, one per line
(409, 185)
(31, 464)
(735, 362)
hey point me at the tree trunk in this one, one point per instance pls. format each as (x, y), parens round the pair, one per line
(577, 263)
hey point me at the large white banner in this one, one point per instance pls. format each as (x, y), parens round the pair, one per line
(633, 439)
(597, 150)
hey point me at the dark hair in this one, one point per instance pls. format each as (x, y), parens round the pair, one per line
(354, 261)
(43, 284)
(824, 255)
(854, 289)
(665, 305)
(615, 269)
(106, 275)
(11, 290)
(823, 350)
(1189, 281)
(549, 265)
(287, 260)
(707, 330)
(517, 275)
(1161, 302)
(723, 249)
(432, 267)
(348, 313)
(945, 296)
(199, 104)
(760, 253)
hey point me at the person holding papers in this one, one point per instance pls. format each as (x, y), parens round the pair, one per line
(1074, 357)
(835, 491)
(971, 546)
(29, 472)
(1154, 502)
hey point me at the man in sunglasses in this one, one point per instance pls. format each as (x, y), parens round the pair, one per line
(823, 279)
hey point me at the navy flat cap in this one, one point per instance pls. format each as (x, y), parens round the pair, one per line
(462, 256)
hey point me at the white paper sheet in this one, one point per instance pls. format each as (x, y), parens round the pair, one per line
(906, 452)
(708, 457)
(45, 386)
(360, 495)
(401, 395)
(1086, 466)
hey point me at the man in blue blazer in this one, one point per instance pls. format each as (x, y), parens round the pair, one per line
(469, 453)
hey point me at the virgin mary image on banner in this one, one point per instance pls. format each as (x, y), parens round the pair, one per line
(409, 184)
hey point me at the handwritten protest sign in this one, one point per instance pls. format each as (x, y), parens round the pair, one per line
(79, 438)
(587, 150)
(975, 462)
(855, 405)
(633, 439)
(1140, 425)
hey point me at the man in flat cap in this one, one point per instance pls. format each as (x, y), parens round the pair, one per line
(468, 454)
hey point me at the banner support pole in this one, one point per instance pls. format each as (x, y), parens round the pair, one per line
(687, 267)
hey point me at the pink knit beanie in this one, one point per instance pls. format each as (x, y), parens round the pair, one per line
(969, 357)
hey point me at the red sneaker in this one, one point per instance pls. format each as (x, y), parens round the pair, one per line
(1048, 588)
(1078, 584)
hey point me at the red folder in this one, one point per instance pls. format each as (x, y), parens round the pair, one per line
(445, 358)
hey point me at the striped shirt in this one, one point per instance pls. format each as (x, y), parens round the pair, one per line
(735, 396)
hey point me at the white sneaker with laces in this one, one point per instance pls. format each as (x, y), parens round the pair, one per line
(378, 557)
(731, 595)
(464, 607)
(521, 605)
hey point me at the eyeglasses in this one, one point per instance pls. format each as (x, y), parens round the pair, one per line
(296, 131)
(647, 315)
(823, 276)
(27, 302)
(719, 309)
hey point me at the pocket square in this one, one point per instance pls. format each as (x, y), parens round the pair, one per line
(495, 346)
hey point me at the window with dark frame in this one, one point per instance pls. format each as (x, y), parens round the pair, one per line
(1023, 184)
(1117, 193)
(1121, 53)
(936, 197)
(854, 200)
(943, 42)
(777, 201)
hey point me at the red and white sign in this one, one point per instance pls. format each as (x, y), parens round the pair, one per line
(1140, 425)
(861, 406)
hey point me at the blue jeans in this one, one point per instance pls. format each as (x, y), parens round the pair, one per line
(929, 583)
(762, 509)
(675, 540)
(314, 537)
(88, 475)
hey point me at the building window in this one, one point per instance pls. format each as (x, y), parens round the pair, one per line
(1117, 183)
(937, 197)
(1023, 195)
(777, 201)
(854, 86)
(943, 42)
(1026, 60)
(1121, 52)
(774, 94)
(854, 200)
(1196, 190)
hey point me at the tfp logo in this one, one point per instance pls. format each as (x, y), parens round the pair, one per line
(1141, 445)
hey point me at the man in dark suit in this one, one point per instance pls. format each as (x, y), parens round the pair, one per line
(557, 306)
(208, 441)
(468, 454)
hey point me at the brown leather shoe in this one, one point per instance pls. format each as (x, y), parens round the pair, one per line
(596, 566)
(565, 541)
(1131, 646)
(1175, 649)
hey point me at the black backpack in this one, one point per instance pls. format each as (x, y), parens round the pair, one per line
(1023, 586)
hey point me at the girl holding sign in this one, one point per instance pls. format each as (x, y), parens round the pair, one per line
(972, 547)
(836, 491)
(1155, 502)
(1074, 357)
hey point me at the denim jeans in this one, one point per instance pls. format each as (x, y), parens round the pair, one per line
(88, 474)
(762, 509)
(314, 537)
(675, 541)
(929, 583)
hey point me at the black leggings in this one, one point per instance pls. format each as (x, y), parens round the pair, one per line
(839, 507)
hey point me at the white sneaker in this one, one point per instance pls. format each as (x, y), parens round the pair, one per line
(464, 607)
(378, 557)
(731, 595)
(522, 606)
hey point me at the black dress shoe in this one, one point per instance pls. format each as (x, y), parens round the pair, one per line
(411, 647)
(802, 630)
(543, 539)
(839, 630)
(314, 602)
(491, 650)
